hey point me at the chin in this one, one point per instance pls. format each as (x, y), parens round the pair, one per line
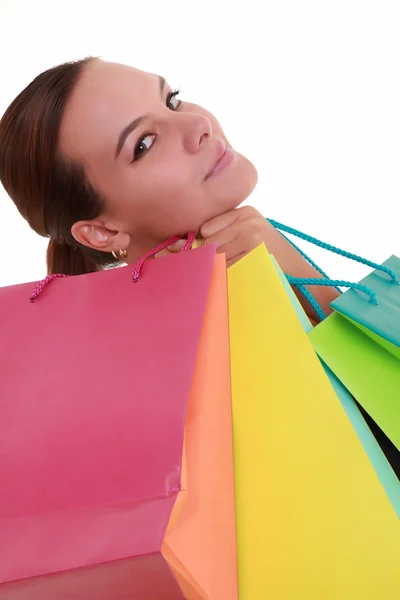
(240, 185)
(230, 188)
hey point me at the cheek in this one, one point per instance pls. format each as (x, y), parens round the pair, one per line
(173, 197)
(173, 176)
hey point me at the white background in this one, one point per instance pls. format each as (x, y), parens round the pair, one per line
(309, 90)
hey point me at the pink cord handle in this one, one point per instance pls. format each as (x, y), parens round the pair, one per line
(42, 284)
(135, 273)
(138, 267)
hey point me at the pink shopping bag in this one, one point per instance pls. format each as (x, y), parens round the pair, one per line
(95, 378)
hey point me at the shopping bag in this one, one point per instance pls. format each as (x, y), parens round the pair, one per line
(312, 518)
(141, 578)
(200, 542)
(361, 344)
(95, 382)
(390, 450)
(378, 460)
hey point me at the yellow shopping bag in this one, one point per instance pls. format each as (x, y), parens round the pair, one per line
(313, 521)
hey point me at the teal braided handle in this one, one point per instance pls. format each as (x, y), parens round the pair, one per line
(330, 248)
(300, 282)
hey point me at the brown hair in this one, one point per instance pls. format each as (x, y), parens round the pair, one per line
(50, 192)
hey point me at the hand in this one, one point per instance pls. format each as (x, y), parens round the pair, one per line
(235, 233)
(238, 232)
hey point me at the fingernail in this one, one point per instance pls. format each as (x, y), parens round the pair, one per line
(212, 229)
(177, 246)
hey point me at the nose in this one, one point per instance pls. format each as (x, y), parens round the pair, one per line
(197, 130)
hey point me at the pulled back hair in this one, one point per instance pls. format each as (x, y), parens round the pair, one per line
(50, 192)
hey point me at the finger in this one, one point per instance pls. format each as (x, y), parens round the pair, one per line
(244, 213)
(173, 249)
(162, 253)
(219, 223)
(178, 247)
(232, 251)
(224, 236)
(239, 246)
(251, 240)
(231, 262)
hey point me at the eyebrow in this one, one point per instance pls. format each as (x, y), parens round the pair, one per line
(135, 123)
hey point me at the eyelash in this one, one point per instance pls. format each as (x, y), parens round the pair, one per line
(171, 95)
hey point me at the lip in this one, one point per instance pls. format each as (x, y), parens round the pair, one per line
(224, 156)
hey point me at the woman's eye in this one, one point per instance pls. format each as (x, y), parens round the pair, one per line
(143, 145)
(147, 140)
(172, 100)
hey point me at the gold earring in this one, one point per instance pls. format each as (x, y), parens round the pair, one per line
(121, 255)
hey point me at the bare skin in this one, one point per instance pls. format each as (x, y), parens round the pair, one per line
(160, 189)
(154, 179)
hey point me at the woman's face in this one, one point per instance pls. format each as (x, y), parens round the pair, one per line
(148, 153)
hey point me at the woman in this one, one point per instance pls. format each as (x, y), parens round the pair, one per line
(108, 162)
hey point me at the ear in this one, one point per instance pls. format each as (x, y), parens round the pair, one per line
(94, 234)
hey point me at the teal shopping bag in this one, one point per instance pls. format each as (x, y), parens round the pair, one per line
(386, 475)
(360, 341)
(380, 320)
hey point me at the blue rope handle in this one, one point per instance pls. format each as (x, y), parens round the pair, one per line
(311, 262)
(300, 283)
(308, 296)
(331, 248)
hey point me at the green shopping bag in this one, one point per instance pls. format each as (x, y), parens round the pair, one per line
(377, 458)
(360, 342)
